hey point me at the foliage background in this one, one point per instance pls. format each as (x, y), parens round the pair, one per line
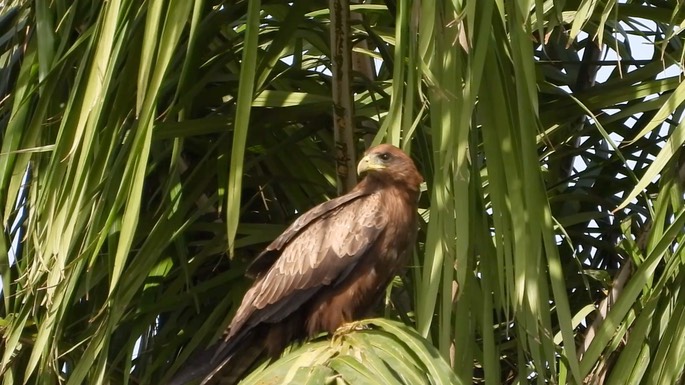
(141, 140)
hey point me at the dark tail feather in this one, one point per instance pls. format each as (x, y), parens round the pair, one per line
(197, 366)
(219, 364)
(233, 368)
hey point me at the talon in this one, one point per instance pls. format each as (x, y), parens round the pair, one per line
(349, 327)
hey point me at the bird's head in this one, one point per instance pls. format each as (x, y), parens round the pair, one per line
(386, 161)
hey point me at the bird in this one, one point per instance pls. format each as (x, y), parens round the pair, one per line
(327, 269)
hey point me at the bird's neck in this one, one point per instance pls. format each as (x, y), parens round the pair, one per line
(403, 189)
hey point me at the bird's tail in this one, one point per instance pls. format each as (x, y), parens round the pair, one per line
(222, 363)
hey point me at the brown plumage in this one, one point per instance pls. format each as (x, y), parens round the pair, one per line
(331, 265)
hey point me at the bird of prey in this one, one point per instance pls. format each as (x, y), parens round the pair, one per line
(328, 268)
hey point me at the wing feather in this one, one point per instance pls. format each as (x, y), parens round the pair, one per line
(267, 257)
(320, 253)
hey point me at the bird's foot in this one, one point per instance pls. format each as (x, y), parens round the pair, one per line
(349, 327)
(345, 329)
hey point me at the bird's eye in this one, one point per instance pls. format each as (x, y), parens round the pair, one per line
(384, 156)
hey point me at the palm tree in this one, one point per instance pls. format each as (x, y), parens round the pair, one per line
(151, 148)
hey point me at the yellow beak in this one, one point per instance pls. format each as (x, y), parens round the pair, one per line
(369, 163)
